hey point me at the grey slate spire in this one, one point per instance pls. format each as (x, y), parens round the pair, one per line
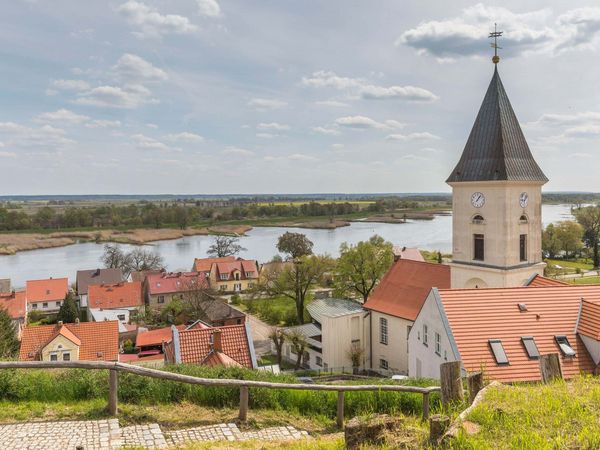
(496, 148)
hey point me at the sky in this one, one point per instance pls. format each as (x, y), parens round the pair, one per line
(280, 96)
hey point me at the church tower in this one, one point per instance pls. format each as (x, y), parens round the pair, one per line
(496, 200)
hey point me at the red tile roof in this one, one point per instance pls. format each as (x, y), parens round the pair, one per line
(99, 340)
(112, 296)
(216, 358)
(52, 289)
(411, 253)
(404, 288)
(478, 315)
(205, 264)
(538, 281)
(589, 322)
(243, 265)
(15, 304)
(166, 283)
(155, 337)
(195, 344)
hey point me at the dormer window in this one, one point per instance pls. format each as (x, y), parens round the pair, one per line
(224, 276)
(249, 274)
(478, 219)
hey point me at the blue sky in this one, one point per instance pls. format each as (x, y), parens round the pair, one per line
(231, 96)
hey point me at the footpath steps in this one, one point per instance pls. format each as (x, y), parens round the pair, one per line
(109, 435)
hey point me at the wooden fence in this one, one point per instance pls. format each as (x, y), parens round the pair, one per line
(244, 385)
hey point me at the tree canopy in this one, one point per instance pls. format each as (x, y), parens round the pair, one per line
(294, 245)
(134, 261)
(589, 218)
(68, 312)
(225, 246)
(9, 344)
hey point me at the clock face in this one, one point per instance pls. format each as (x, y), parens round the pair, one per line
(477, 199)
(523, 199)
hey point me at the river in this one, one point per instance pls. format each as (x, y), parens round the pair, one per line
(259, 242)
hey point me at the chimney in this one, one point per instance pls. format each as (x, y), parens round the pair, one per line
(59, 323)
(96, 273)
(217, 344)
(77, 321)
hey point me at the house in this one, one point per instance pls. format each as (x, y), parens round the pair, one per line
(125, 299)
(227, 346)
(340, 326)
(394, 305)
(120, 315)
(85, 341)
(218, 313)
(85, 278)
(412, 253)
(15, 303)
(503, 331)
(234, 276)
(46, 295)
(163, 287)
(154, 339)
(204, 265)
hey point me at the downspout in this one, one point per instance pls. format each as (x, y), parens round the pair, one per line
(371, 341)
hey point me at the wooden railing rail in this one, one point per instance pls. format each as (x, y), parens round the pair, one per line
(244, 385)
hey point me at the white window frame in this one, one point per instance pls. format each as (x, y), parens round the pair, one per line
(438, 344)
(68, 355)
(223, 287)
(160, 299)
(383, 331)
(224, 277)
(384, 364)
(425, 335)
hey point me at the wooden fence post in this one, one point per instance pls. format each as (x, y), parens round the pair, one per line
(426, 406)
(550, 367)
(452, 388)
(113, 388)
(475, 383)
(340, 410)
(243, 403)
(438, 424)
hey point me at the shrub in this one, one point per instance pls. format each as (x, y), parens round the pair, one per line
(236, 299)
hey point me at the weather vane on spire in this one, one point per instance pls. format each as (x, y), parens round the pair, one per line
(495, 34)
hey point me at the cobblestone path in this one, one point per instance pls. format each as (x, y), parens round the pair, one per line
(108, 435)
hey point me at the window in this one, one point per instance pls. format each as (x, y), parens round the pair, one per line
(564, 345)
(249, 274)
(250, 285)
(158, 284)
(237, 287)
(58, 304)
(66, 357)
(238, 321)
(425, 336)
(438, 344)
(408, 328)
(319, 361)
(161, 299)
(121, 316)
(224, 276)
(478, 250)
(34, 306)
(523, 247)
(523, 219)
(223, 287)
(498, 351)
(478, 220)
(530, 347)
(45, 305)
(383, 364)
(53, 357)
(306, 358)
(383, 331)
(237, 276)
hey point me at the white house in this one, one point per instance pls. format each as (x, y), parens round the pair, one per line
(339, 326)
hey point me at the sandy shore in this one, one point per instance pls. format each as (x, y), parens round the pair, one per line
(16, 242)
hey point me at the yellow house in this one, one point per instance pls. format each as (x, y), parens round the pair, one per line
(234, 276)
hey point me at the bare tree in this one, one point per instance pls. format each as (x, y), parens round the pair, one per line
(225, 246)
(113, 257)
(140, 259)
(278, 338)
(197, 298)
(355, 354)
(298, 342)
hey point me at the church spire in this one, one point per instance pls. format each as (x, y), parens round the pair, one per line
(496, 149)
(495, 34)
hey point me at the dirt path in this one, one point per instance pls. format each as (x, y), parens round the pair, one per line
(260, 335)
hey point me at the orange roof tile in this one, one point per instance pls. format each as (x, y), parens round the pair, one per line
(411, 253)
(245, 266)
(538, 281)
(404, 288)
(478, 315)
(205, 264)
(589, 322)
(155, 337)
(119, 295)
(52, 289)
(99, 340)
(217, 358)
(195, 344)
(166, 283)
(15, 304)
(65, 332)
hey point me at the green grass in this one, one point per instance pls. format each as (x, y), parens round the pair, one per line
(278, 311)
(580, 263)
(585, 280)
(560, 415)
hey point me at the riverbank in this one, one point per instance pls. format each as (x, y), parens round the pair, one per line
(12, 243)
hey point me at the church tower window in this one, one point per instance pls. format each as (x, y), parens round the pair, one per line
(478, 219)
(523, 247)
(478, 247)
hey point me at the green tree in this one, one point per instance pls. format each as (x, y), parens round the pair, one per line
(551, 244)
(361, 266)
(9, 344)
(569, 233)
(294, 245)
(589, 219)
(68, 311)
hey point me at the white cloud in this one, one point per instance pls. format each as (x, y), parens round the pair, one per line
(567, 119)
(144, 142)
(326, 131)
(152, 23)
(64, 116)
(583, 131)
(70, 85)
(266, 135)
(272, 126)
(332, 103)
(362, 122)
(46, 136)
(302, 157)
(264, 104)
(134, 69)
(363, 89)
(209, 8)
(412, 137)
(127, 97)
(102, 123)
(8, 155)
(236, 151)
(185, 136)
